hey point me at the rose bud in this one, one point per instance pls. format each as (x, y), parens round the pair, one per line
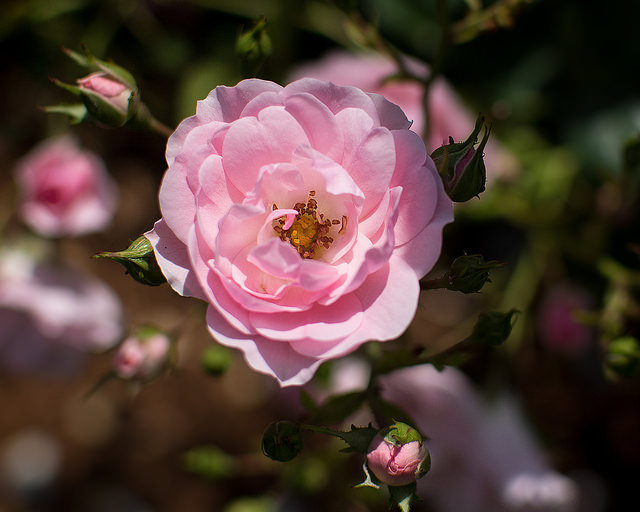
(397, 456)
(142, 356)
(461, 165)
(108, 100)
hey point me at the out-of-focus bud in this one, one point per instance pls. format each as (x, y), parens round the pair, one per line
(623, 356)
(397, 455)
(469, 273)
(142, 356)
(139, 260)
(254, 46)
(216, 359)
(282, 441)
(461, 165)
(493, 327)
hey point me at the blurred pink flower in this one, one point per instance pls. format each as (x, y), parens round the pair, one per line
(140, 357)
(448, 116)
(304, 215)
(64, 191)
(559, 329)
(51, 314)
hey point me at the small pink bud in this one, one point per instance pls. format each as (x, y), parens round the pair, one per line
(395, 463)
(142, 358)
(107, 99)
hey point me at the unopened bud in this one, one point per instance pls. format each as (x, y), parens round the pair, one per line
(139, 260)
(397, 455)
(282, 441)
(109, 101)
(493, 327)
(216, 359)
(142, 356)
(469, 273)
(254, 46)
(461, 165)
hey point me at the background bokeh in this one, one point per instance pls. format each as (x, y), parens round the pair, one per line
(561, 89)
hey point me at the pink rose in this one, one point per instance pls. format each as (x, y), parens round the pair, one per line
(141, 358)
(64, 190)
(50, 314)
(304, 216)
(395, 464)
(449, 117)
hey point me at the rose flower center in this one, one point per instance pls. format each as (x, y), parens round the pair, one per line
(309, 230)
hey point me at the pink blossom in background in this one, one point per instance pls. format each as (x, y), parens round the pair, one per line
(560, 331)
(304, 216)
(395, 465)
(50, 315)
(449, 117)
(64, 190)
(141, 358)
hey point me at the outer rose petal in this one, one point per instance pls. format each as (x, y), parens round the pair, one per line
(173, 259)
(265, 356)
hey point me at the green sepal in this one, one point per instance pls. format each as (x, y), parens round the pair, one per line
(370, 480)
(403, 495)
(139, 260)
(358, 438)
(77, 112)
(90, 61)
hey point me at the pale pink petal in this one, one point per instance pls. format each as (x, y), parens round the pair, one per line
(177, 204)
(265, 356)
(173, 259)
(319, 124)
(252, 143)
(227, 103)
(320, 323)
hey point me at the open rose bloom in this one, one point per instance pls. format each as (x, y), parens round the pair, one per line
(65, 191)
(304, 216)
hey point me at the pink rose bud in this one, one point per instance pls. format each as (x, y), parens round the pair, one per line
(399, 457)
(108, 100)
(461, 165)
(142, 356)
(65, 191)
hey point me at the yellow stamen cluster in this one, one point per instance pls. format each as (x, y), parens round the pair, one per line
(309, 230)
